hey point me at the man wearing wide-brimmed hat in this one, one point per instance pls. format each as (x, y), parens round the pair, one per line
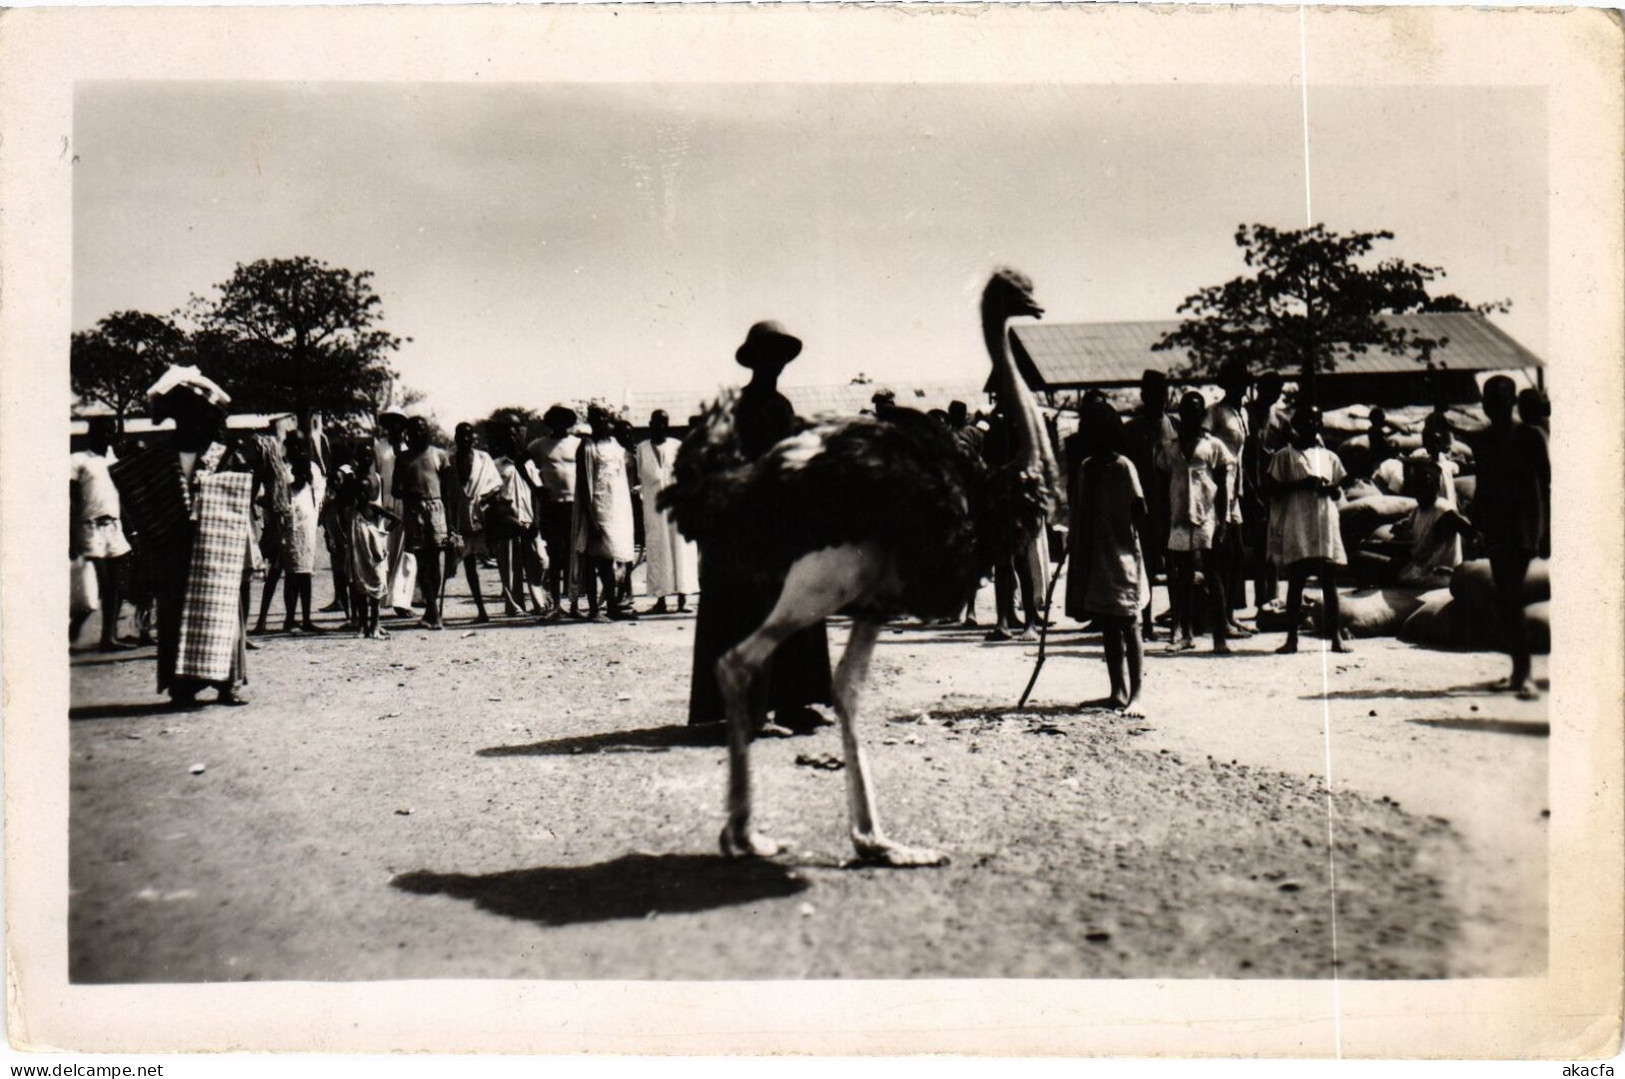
(731, 606)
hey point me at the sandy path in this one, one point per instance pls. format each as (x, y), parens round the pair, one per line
(520, 802)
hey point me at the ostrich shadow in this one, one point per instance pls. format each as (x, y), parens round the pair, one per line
(633, 886)
(641, 740)
(1528, 729)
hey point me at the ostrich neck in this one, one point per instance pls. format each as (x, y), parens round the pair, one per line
(1013, 392)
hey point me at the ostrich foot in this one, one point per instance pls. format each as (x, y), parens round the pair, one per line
(746, 844)
(876, 851)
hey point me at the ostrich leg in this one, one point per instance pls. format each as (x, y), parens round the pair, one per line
(818, 585)
(871, 845)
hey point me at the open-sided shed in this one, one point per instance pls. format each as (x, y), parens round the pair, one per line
(1076, 356)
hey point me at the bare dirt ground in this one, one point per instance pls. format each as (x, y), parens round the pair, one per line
(518, 801)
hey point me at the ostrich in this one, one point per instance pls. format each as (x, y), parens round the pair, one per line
(867, 517)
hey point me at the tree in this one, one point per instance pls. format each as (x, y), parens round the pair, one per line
(299, 334)
(1313, 297)
(115, 362)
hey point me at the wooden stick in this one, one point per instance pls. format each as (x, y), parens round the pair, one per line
(1043, 630)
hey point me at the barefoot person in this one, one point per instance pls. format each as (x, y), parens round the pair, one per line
(1304, 478)
(307, 493)
(422, 473)
(1266, 432)
(603, 520)
(1228, 422)
(521, 554)
(1108, 582)
(553, 463)
(368, 551)
(388, 442)
(477, 485)
(1200, 472)
(98, 536)
(1512, 509)
(1144, 437)
(673, 568)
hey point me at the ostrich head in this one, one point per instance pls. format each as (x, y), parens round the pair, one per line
(1009, 293)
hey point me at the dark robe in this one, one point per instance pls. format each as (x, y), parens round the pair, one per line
(153, 488)
(732, 605)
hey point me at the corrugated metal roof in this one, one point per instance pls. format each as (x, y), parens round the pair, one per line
(827, 400)
(1076, 354)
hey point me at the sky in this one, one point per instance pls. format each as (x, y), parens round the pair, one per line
(542, 242)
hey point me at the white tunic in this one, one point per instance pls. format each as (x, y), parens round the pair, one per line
(673, 564)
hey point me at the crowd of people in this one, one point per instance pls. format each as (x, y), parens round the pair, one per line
(1247, 488)
(1205, 496)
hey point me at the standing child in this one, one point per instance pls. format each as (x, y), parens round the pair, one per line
(1109, 582)
(1200, 472)
(369, 565)
(1305, 477)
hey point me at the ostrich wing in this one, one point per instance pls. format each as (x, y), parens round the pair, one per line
(902, 484)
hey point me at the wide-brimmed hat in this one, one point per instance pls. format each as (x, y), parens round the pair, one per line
(767, 345)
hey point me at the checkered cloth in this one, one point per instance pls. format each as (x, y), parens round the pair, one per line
(211, 616)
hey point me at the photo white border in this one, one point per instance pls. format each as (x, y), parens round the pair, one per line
(1575, 55)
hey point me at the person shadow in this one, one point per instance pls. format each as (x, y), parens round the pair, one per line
(640, 740)
(633, 886)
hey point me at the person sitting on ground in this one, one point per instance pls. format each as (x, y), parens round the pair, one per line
(1512, 509)
(422, 473)
(1200, 472)
(1386, 468)
(1305, 478)
(1437, 526)
(307, 494)
(477, 484)
(1108, 582)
